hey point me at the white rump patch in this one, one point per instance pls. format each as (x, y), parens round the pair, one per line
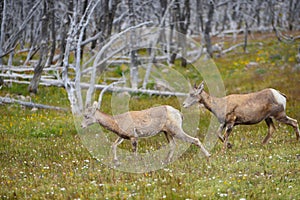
(175, 114)
(279, 98)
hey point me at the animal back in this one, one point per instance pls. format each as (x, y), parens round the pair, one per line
(142, 123)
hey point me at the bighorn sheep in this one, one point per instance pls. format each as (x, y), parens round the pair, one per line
(246, 109)
(145, 123)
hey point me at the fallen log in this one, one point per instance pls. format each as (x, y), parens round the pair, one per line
(7, 100)
(231, 48)
(150, 92)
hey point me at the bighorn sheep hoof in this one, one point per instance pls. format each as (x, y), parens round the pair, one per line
(207, 154)
(229, 145)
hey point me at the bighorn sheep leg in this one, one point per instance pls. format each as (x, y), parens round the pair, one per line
(172, 143)
(271, 129)
(114, 148)
(180, 134)
(291, 122)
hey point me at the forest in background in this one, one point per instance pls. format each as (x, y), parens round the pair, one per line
(58, 33)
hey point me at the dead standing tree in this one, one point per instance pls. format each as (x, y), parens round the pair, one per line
(77, 30)
(184, 22)
(180, 16)
(33, 86)
(207, 29)
(133, 52)
(2, 23)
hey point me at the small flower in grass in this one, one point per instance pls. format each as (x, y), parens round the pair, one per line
(223, 195)
(46, 167)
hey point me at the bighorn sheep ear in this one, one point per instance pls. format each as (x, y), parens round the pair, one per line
(195, 86)
(189, 84)
(200, 87)
(95, 106)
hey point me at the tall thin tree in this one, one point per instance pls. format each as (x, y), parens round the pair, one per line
(33, 86)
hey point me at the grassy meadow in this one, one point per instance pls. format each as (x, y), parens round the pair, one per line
(42, 155)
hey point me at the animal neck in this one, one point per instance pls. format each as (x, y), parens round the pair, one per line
(108, 122)
(213, 104)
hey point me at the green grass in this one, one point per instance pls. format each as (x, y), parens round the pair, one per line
(43, 157)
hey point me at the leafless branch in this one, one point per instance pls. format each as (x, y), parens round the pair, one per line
(7, 100)
(106, 88)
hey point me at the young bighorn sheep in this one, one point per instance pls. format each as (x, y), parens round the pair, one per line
(244, 109)
(145, 123)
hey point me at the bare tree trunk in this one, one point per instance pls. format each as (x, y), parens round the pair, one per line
(181, 18)
(173, 25)
(208, 29)
(160, 37)
(111, 16)
(291, 14)
(32, 42)
(225, 18)
(246, 36)
(53, 32)
(133, 57)
(184, 25)
(64, 30)
(85, 4)
(14, 37)
(68, 40)
(82, 25)
(8, 100)
(101, 23)
(2, 23)
(43, 53)
(257, 13)
(199, 13)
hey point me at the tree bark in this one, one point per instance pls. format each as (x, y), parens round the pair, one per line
(133, 53)
(173, 25)
(246, 36)
(53, 32)
(111, 16)
(7, 100)
(208, 29)
(32, 88)
(199, 4)
(65, 24)
(85, 4)
(184, 25)
(2, 24)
